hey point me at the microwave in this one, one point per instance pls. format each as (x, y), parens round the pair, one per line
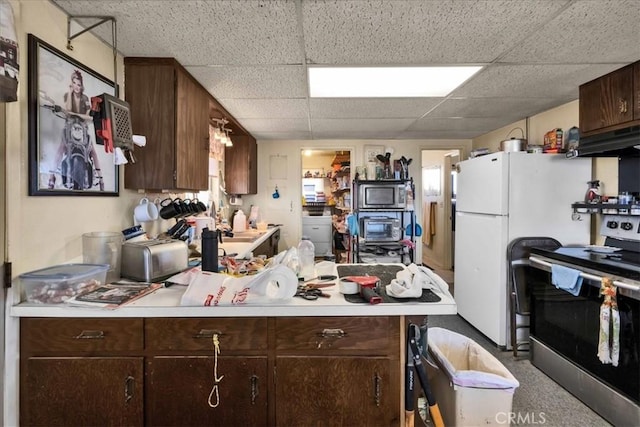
(380, 229)
(382, 195)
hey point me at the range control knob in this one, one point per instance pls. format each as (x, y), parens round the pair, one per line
(626, 226)
(612, 224)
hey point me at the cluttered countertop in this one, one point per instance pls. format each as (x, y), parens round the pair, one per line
(170, 301)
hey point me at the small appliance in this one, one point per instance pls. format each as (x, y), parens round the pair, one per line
(382, 195)
(153, 260)
(380, 229)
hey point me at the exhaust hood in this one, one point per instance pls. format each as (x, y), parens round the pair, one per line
(618, 143)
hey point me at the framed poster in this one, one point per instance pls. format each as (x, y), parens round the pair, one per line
(371, 151)
(64, 159)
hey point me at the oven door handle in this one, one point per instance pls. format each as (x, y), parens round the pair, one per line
(588, 275)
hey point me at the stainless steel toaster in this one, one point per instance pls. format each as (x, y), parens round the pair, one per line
(152, 260)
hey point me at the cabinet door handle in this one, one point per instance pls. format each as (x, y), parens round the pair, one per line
(207, 333)
(90, 335)
(254, 389)
(622, 106)
(377, 393)
(128, 388)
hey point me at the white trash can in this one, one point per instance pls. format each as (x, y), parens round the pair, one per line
(471, 386)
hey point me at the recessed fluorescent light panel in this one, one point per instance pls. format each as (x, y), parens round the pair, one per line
(386, 82)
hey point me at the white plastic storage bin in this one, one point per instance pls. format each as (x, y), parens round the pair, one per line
(55, 285)
(471, 386)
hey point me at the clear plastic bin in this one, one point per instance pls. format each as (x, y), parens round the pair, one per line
(471, 386)
(55, 285)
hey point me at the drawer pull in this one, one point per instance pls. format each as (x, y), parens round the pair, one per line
(333, 333)
(128, 388)
(330, 335)
(254, 389)
(90, 335)
(207, 334)
(376, 389)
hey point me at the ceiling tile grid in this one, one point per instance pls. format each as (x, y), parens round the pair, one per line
(252, 56)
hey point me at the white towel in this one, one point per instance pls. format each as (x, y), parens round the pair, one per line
(609, 343)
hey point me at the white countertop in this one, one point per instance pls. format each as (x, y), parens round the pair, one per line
(244, 249)
(165, 303)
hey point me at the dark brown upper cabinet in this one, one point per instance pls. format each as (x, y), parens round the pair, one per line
(610, 102)
(171, 109)
(241, 165)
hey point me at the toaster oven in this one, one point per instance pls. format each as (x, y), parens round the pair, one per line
(380, 229)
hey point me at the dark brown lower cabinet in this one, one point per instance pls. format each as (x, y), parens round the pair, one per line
(335, 391)
(82, 391)
(180, 391)
(282, 371)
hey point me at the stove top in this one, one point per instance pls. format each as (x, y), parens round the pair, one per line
(624, 264)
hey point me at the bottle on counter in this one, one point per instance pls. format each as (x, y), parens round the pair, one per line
(306, 256)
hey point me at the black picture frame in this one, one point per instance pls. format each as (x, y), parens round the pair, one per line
(63, 154)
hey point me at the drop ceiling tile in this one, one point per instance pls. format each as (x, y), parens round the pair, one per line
(282, 136)
(492, 107)
(266, 108)
(588, 31)
(359, 125)
(531, 81)
(275, 125)
(483, 124)
(350, 135)
(417, 32)
(252, 82)
(229, 32)
(328, 108)
(440, 134)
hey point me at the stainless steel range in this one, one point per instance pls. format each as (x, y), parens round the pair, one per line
(565, 328)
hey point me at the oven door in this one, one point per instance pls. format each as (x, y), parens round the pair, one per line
(570, 326)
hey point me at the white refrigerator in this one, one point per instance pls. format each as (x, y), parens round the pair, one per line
(503, 196)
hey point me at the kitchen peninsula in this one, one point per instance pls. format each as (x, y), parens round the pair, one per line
(235, 365)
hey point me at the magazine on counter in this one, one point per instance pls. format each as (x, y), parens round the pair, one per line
(114, 295)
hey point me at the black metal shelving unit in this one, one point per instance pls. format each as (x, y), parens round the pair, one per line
(406, 216)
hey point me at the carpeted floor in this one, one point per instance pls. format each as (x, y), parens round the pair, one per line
(539, 401)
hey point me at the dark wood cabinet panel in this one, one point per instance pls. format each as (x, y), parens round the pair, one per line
(636, 91)
(607, 103)
(337, 391)
(71, 391)
(196, 334)
(42, 336)
(241, 166)
(180, 391)
(172, 110)
(349, 335)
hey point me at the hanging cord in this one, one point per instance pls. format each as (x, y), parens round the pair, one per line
(216, 380)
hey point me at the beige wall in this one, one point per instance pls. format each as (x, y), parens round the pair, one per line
(44, 231)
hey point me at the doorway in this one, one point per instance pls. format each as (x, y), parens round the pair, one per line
(326, 199)
(438, 207)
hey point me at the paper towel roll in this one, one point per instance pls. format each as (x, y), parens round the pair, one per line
(279, 282)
